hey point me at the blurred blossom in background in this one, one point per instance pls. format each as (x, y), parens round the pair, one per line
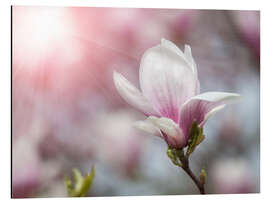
(66, 112)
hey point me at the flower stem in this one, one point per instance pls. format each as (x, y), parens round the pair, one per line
(181, 160)
(198, 183)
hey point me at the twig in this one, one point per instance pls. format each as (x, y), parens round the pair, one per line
(181, 160)
(198, 183)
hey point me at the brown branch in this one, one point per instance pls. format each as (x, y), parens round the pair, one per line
(195, 180)
(185, 166)
(178, 156)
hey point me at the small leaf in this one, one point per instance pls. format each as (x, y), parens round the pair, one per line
(171, 154)
(78, 179)
(174, 154)
(68, 186)
(193, 132)
(87, 182)
(200, 139)
(195, 137)
(81, 185)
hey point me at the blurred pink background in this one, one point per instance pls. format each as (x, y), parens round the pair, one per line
(66, 112)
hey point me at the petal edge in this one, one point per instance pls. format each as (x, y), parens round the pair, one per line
(132, 95)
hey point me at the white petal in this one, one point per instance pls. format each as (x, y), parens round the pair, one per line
(218, 97)
(166, 79)
(164, 128)
(171, 46)
(132, 95)
(171, 131)
(198, 87)
(188, 56)
(148, 126)
(193, 65)
(168, 126)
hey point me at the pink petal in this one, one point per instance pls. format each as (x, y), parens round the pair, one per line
(166, 79)
(132, 95)
(202, 106)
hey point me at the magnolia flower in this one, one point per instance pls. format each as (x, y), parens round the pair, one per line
(170, 94)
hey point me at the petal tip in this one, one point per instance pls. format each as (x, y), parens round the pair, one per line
(233, 98)
(187, 47)
(218, 97)
(117, 79)
(147, 126)
(171, 46)
(187, 51)
(163, 41)
(238, 97)
(116, 74)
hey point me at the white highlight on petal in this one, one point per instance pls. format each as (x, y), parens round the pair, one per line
(189, 58)
(132, 95)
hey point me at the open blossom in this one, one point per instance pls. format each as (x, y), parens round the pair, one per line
(170, 94)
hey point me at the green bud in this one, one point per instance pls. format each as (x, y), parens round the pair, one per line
(203, 176)
(172, 154)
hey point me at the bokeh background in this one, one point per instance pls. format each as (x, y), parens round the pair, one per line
(67, 114)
